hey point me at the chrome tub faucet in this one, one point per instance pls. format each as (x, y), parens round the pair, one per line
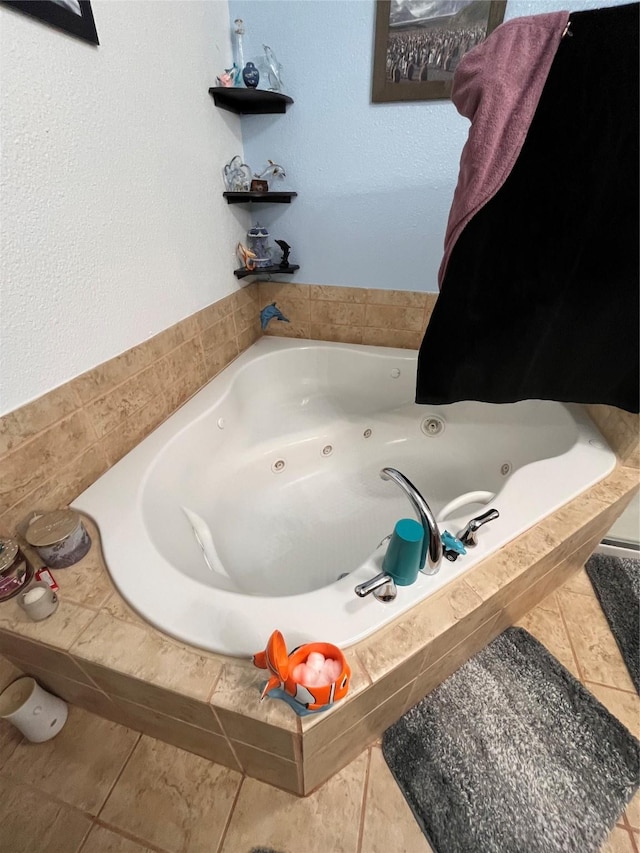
(383, 585)
(432, 543)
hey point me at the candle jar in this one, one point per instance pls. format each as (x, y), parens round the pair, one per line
(38, 601)
(15, 572)
(59, 538)
(258, 239)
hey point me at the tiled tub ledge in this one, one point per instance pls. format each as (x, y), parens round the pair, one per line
(95, 652)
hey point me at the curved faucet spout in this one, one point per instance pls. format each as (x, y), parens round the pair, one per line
(432, 543)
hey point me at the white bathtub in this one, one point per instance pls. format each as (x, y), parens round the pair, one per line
(280, 458)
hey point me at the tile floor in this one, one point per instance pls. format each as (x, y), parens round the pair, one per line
(101, 788)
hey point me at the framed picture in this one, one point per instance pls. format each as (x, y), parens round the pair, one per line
(72, 16)
(419, 43)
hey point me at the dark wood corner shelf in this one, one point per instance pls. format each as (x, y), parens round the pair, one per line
(249, 101)
(243, 272)
(264, 198)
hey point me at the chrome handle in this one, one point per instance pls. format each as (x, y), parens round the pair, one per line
(468, 536)
(376, 583)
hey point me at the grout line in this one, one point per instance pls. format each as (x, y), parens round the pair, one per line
(52, 797)
(85, 838)
(579, 592)
(363, 805)
(213, 690)
(252, 746)
(93, 686)
(235, 755)
(117, 779)
(633, 840)
(124, 833)
(611, 687)
(571, 646)
(364, 668)
(56, 475)
(227, 824)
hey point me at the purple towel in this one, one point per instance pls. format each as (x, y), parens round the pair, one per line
(497, 86)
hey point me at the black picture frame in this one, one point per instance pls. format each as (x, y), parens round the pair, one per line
(485, 14)
(58, 14)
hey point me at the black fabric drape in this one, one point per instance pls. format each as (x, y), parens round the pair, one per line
(541, 295)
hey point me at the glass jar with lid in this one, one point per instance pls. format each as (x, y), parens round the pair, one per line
(258, 239)
(15, 571)
(59, 537)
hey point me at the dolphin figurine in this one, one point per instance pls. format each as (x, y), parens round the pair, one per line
(269, 313)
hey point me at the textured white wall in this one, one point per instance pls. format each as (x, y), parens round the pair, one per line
(113, 226)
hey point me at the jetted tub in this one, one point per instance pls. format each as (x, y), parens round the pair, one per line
(259, 505)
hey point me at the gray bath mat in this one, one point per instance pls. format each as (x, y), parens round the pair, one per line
(616, 581)
(512, 755)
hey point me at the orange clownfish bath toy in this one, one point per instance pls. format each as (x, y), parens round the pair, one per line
(311, 678)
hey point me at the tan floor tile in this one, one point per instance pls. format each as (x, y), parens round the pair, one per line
(618, 842)
(550, 603)
(548, 627)
(10, 737)
(79, 765)
(580, 583)
(193, 795)
(598, 656)
(30, 821)
(325, 822)
(102, 840)
(389, 823)
(633, 812)
(8, 673)
(624, 706)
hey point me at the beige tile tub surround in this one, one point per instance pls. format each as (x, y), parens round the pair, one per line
(54, 447)
(354, 315)
(622, 431)
(96, 653)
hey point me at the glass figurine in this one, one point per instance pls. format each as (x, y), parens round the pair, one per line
(274, 69)
(237, 176)
(239, 32)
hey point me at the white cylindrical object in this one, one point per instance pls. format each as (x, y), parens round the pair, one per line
(38, 601)
(37, 714)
